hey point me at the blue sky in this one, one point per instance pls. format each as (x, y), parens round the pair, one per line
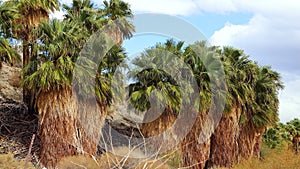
(269, 31)
(208, 22)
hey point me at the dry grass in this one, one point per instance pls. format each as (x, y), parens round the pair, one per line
(7, 161)
(112, 161)
(282, 158)
(109, 161)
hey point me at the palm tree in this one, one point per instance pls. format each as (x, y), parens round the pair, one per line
(202, 60)
(70, 118)
(91, 109)
(155, 91)
(293, 127)
(93, 102)
(9, 13)
(95, 22)
(56, 100)
(84, 12)
(30, 13)
(195, 147)
(245, 117)
(114, 16)
(118, 12)
(239, 74)
(275, 136)
(260, 114)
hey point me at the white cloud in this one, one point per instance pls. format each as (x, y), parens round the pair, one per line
(273, 8)
(224, 36)
(287, 7)
(216, 6)
(271, 37)
(187, 7)
(268, 40)
(171, 7)
(289, 98)
(60, 14)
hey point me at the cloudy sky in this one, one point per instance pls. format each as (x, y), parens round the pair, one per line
(268, 31)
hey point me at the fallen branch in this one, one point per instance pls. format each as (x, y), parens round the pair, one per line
(29, 151)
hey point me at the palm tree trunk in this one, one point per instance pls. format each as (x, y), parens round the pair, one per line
(246, 141)
(67, 127)
(159, 125)
(28, 95)
(91, 118)
(26, 55)
(296, 141)
(26, 52)
(224, 146)
(57, 125)
(195, 151)
(257, 145)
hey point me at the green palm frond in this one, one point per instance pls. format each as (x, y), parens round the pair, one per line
(84, 12)
(266, 87)
(9, 13)
(151, 74)
(50, 76)
(58, 48)
(119, 12)
(7, 53)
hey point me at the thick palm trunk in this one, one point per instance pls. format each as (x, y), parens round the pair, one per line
(91, 118)
(57, 125)
(195, 151)
(224, 146)
(246, 141)
(158, 126)
(67, 127)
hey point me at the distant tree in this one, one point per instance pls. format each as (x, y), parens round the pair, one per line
(281, 133)
(275, 136)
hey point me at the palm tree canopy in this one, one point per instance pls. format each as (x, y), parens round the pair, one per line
(60, 45)
(150, 77)
(266, 97)
(119, 12)
(84, 12)
(33, 11)
(29, 13)
(59, 39)
(108, 68)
